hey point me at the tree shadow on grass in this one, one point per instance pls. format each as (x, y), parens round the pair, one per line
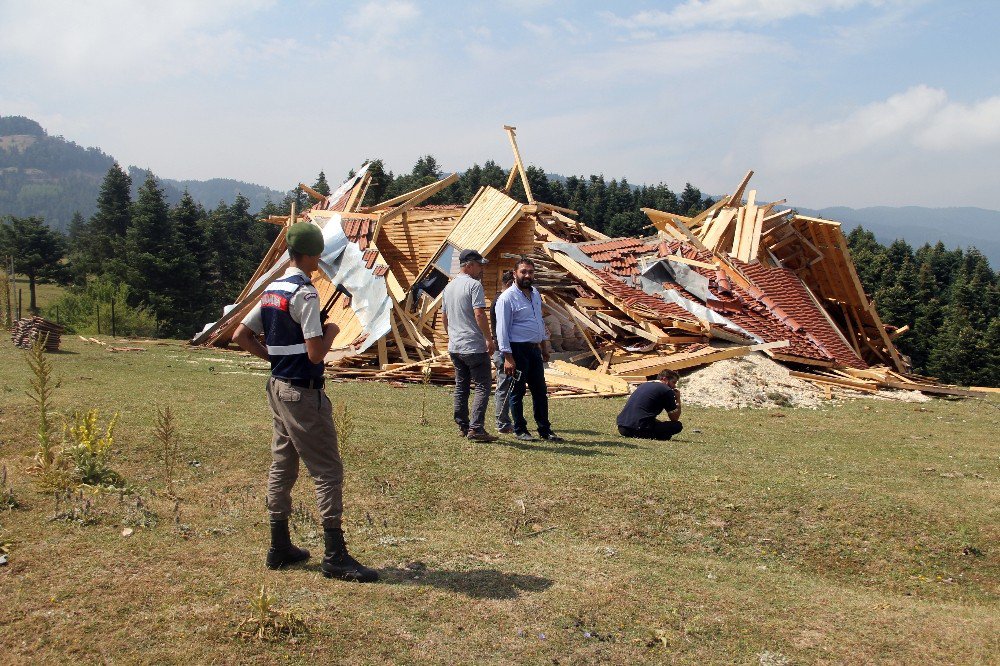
(477, 584)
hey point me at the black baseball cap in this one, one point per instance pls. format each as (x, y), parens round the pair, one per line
(471, 255)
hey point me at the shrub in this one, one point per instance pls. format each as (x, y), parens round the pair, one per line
(80, 308)
(91, 451)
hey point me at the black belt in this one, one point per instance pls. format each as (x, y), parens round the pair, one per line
(304, 383)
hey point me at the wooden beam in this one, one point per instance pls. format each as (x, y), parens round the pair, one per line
(518, 164)
(635, 330)
(838, 381)
(395, 200)
(736, 198)
(686, 234)
(422, 196)
(690, 262)
(931, 388)
(311, 192)
(398, 338)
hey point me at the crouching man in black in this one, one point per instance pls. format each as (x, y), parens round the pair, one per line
(638, 418)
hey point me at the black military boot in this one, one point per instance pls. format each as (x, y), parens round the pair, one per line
(338, 563)
(282, 552)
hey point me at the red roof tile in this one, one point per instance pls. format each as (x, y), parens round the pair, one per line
(656, 308)
(774, 306)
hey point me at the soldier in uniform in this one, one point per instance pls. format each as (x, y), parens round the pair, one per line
(295, 343)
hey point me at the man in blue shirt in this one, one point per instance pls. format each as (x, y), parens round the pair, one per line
(520, 336)
(638, 418)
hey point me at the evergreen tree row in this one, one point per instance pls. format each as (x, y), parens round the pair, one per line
(950, 299)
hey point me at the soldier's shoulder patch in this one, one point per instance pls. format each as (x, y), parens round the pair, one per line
(310, 294)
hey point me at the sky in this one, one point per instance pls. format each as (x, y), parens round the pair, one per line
(830, 102)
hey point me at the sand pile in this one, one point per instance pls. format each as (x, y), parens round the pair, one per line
(757, 381)
(749, 381)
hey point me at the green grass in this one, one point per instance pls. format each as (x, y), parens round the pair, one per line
(46, 294)
(858, 533)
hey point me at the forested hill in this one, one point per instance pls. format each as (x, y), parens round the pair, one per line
(53, 178)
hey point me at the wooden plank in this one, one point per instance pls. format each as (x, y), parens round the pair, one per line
(575, 396)
(398, 338)
(277, 248)
(690, 262)
(755, 236)
(715, 231)
(396, 200)
(689, 360)
(518, 165)
(931, 388)
(598, 378)
(671, 224)
(357, 192)
(736, 198)
(425, 194)
(312, 193)
(589, 302)
(383, 356)
(635, 330)
(741, 213)
(606, 363)
(838, 381)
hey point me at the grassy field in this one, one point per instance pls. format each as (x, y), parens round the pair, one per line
(867, 532)
(46, 294)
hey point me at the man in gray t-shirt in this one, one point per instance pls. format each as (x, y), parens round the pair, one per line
(470, 344)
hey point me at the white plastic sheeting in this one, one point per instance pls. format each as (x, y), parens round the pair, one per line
(343, 263)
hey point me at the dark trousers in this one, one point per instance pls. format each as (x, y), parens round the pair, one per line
(472, 369)
(528, 360)
(659, 430)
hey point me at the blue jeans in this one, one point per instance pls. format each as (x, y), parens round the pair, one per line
(528, 360)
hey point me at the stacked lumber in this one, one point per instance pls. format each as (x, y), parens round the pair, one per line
(741, 277)
(29, 329)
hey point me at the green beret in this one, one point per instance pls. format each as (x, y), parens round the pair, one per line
(305, 238)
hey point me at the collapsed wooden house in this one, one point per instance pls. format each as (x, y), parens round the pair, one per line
(740, 277)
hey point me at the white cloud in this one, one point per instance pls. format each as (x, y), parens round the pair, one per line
(960, 126)
(383, 19)
(115, 39)
(538, 29)
(921, 117)
(698, 13)
(680, 54)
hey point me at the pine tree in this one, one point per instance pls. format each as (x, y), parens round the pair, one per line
(111, 221)
(36, 250)
(156, 264)
(954, 355)
(690, 202)
(321, 185)
(379, 183)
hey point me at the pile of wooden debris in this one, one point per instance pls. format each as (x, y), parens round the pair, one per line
(739, 278)
(29, 329)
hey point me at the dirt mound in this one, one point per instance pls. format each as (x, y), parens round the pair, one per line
(757, 381)
(749, 381)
